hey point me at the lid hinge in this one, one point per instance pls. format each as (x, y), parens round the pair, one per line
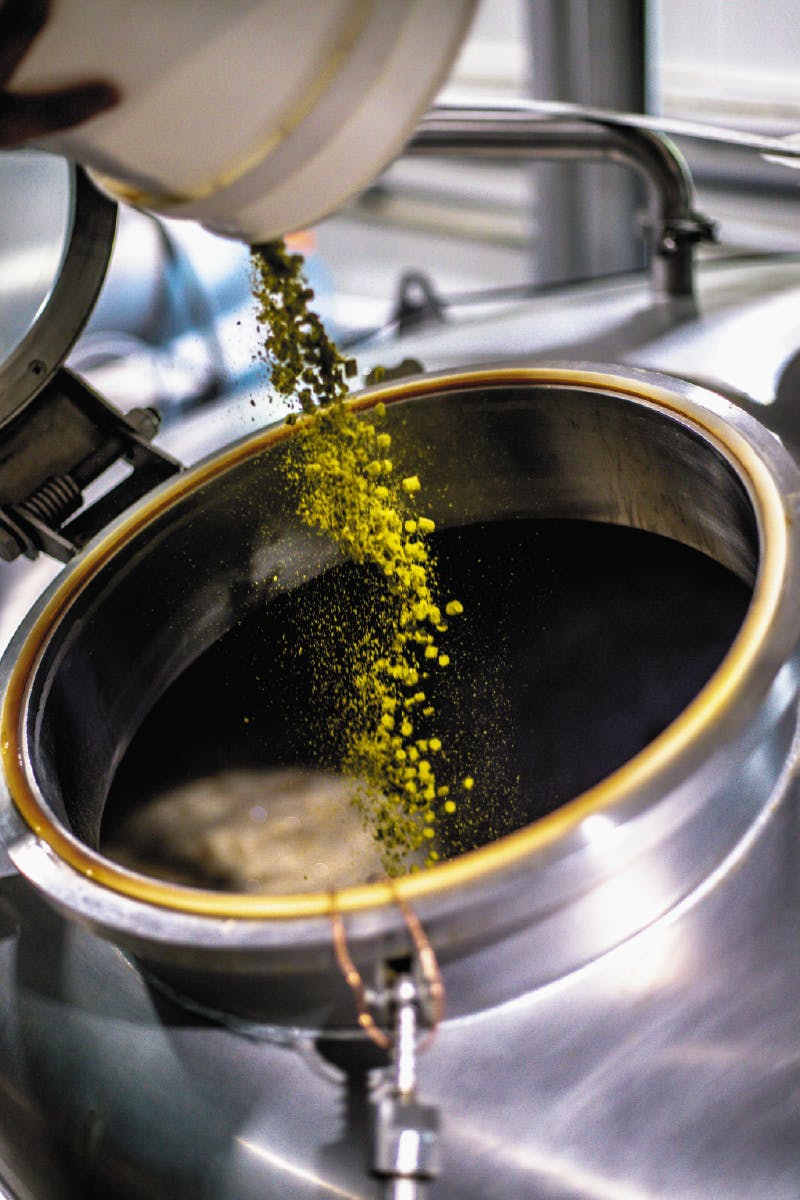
(67, 438)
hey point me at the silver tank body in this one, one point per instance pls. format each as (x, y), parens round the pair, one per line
(667, 1069)
(666, 1066)
(660, 1060)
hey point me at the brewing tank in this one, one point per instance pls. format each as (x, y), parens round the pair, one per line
(593, 993)
(615, 960)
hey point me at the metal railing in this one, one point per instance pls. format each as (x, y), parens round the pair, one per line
(672, 226)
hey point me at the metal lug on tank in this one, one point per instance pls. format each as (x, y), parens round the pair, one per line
(406, 1130)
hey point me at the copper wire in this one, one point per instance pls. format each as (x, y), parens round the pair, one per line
(429, 967)
(353, 978)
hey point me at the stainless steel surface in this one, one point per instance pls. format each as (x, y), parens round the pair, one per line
(701, 131)
(520, 131)
(587, 215)
(36, 191)
(740, 337)
(147, 646)
(622, 998)
(57, 236)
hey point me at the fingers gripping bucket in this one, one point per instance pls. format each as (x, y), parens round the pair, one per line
(578, 873)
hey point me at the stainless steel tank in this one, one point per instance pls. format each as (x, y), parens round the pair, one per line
(619, 975)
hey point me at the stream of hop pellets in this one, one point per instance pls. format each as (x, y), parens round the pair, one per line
(347, 487)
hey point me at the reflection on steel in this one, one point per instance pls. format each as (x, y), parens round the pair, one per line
(519, 131)
(72, 238)
(622, 980)
(770, 147)
(284, 1166)
(742, 338)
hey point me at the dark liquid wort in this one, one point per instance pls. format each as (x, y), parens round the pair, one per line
(578, 644)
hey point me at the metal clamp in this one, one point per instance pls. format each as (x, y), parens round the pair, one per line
(67, 437)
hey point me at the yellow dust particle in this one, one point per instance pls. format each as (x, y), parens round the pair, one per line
(468, 783)
(346, 489)
(444, 660)
(449, 806)
(453, 608)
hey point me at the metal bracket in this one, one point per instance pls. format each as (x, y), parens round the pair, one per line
(411, 993)
(417, 304)
(67, 437)
(406, 1131)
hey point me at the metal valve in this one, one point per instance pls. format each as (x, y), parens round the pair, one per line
(406, 1131)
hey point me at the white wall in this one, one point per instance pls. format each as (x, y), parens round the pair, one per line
(730, 59)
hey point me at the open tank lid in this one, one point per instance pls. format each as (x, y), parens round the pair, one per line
(55, 244)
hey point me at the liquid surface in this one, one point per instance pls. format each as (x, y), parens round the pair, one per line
(578, 644)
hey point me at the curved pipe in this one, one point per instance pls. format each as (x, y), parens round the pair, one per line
(522, 131)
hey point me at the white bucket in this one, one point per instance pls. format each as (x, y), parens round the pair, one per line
(255, 118)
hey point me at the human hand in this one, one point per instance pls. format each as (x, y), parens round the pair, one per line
(30, 115)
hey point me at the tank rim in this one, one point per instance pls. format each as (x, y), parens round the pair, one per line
(663, 755)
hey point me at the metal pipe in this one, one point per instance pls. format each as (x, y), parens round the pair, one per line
(587, 52)
(519, 131)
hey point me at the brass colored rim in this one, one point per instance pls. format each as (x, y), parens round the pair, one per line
(639, 771)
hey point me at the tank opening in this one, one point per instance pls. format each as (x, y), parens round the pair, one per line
(579, 643)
